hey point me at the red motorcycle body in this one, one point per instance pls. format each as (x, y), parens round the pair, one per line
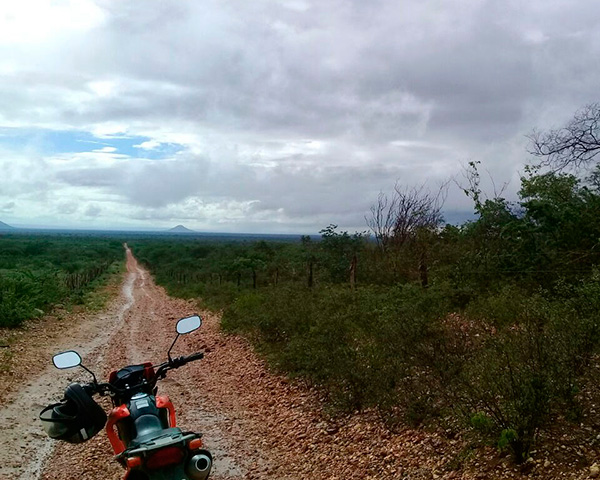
(120, 417)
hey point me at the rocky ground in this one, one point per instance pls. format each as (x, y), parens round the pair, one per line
(258, 424)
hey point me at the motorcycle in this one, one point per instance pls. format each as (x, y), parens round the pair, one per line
(141, 426)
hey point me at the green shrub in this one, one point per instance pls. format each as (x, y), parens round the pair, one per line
(482, 422)
(509, 437)
(528, 363)
(37, 272)
(359, 346)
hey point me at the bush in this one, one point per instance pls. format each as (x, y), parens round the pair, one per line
(358, 346)
(528, 364)
(37, 272)
(513, 357)
(14, 308)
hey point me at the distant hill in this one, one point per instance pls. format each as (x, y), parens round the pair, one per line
(4, 226)
(180, 229)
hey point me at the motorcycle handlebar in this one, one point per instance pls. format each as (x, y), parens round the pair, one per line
(194, 356)
(103, 388)
(181, 361)
(176, 363)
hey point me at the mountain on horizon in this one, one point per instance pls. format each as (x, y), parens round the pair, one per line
(180, 229)
(4, 226)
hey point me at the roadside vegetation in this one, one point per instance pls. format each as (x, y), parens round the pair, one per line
(493, 324)
(41, 271)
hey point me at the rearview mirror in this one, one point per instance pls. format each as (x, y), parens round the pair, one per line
(68, 359)
(188, 324)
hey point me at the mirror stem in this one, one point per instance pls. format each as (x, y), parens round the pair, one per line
(171, 348)
(90, 372)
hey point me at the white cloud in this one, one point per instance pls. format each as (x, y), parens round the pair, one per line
(103, 88)
(35, 21)
(148, 145)
(105, 150)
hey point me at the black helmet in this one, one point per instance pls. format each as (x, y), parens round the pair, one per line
(76, 418)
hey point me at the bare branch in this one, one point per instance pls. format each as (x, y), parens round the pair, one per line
(381, 221)
(396, 219)
(575, 145)
(497, 192)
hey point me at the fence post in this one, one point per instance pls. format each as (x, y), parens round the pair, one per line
(353, 272)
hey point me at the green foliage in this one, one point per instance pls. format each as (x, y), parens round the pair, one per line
(38, 272)
(482, 422)
(358, 346)
(498, 316)
(529, 363)
(507, 437)
(337, 250)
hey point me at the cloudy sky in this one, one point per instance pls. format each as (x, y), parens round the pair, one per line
(273, 116)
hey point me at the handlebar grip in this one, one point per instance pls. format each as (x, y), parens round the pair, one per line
(181, 361)
(194, 356)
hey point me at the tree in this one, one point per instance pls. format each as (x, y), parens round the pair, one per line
(563, 215)
(308, 252)
(339, 252)
(574, 145)
(398, 218)
(493, 242)
(252, 263)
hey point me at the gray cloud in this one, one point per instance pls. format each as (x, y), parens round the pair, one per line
(92, 211)
(7, 207)
(300, 111)
(142, 182)
(67, 208)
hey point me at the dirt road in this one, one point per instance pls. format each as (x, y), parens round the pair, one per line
(138, 326)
